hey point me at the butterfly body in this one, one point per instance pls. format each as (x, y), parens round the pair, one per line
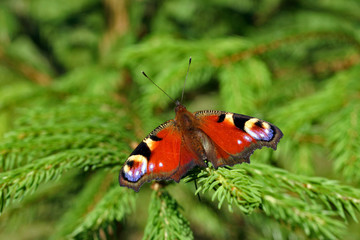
(191, 139)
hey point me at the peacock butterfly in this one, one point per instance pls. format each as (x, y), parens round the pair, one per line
(178, 145)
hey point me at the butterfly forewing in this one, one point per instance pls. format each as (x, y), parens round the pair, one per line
(237, 135)
(156, 157)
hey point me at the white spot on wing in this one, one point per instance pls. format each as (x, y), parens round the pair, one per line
(247, 138)
(239, 141)
(151, 167)
(160, 164)
(253, 134)
(143, 168)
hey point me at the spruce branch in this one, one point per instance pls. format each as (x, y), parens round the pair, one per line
(112, 208)
(309, 203)
(288, 40)
(42, 132)
(165, 220)
(39, 142)
(344, 141)
(260, 226)
(252, 78)
(313, 220)
(310, 131)
(230, 185)
(339, 89)
(94, 188)
(16, 183)
(320, 191)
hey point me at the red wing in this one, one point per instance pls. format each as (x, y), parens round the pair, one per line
(235, 137)
(160, 156)
(188, 160)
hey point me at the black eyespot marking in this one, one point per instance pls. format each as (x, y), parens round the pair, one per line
(259, 124)
(143, 150)
(221, 118)
(155, 138)
(239, 122)
(130, 163)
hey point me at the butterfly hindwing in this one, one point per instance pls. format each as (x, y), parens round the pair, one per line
(160, 156)
(188, 160)
(236, 136)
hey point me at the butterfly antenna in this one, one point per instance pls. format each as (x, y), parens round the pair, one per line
(182, 95)
(157, 86)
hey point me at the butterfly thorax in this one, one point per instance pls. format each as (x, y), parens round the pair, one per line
(185, 120)
(193, 137)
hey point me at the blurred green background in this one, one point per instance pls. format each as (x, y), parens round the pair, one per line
(73, 103)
